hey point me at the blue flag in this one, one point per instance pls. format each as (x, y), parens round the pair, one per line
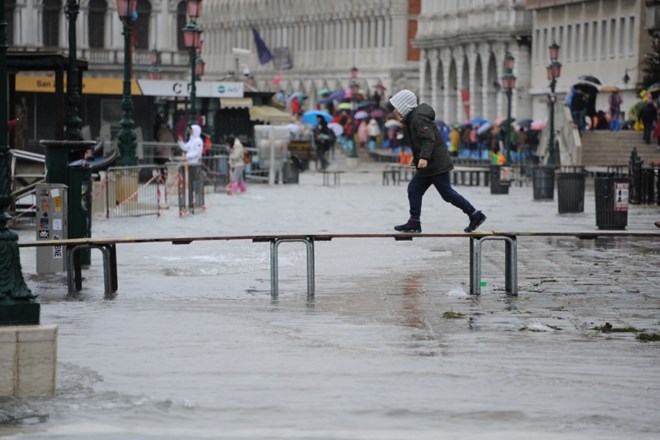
(264, 53)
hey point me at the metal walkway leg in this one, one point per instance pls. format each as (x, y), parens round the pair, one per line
(274, 272)
(510, 263)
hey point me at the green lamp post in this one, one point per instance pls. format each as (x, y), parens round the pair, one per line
(508, 85)
(192, 40)
(17, 303)
(73, 121)
(554, 71)
(127, 140)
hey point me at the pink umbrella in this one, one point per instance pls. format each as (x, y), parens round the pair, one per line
(378, 113)
(539, 124)
(361, 115)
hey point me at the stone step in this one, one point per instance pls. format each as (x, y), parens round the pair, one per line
(603, 147)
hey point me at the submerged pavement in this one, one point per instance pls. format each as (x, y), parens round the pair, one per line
(390, 347)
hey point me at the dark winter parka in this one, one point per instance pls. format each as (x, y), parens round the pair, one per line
(426, 141)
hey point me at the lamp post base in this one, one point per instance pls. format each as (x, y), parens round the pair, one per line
(14, 312)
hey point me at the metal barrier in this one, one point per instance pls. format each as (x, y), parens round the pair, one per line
(190, 183)
(133, 191)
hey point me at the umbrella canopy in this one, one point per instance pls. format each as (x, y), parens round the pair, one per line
(345, 106)
(500, 120)
(610, 89)
(324, 91)
(377, 113)
(336, 95)
(654, 89)
(524, 123)
(361, 115)
(380, 87)
(484, 128)
(586, 86)
(478, 121)
(591, 79)
(538, 125)
(294, 95)
(336, 128)
(392, 123)
(309, 117)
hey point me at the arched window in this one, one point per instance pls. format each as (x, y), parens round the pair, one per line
(51, 23)
(10, 5)
(141, 25)
(180, 24)
(97, 11)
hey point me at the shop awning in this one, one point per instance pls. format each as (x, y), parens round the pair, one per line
(235, 102)
(269, 114)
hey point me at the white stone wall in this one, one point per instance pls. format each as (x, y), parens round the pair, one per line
(604, 38)
(464, 45)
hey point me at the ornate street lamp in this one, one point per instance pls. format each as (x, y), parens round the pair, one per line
(508, 85)
(192, 40)
(73, 121)
(154, 69)
(17, 303)
(127, 140)
(553, 71)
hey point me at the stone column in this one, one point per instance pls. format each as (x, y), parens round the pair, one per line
(471, 50)
(445, 56)
(434, 61)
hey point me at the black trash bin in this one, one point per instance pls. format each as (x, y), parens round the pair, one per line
(80, 205)
(570, 192)
(611, 202)
(291, 170)
(543, 180)
(497, 184)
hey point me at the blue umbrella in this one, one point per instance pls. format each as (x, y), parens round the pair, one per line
(478, 121)
(336, 95)
(309, 117)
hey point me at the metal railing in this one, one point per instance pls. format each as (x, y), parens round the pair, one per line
(133, 191)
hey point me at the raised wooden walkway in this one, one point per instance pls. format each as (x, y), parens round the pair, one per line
(108, 246)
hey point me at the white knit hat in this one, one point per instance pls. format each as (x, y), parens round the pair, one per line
(404, 101)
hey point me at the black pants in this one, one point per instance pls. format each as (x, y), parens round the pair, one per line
(418, 186)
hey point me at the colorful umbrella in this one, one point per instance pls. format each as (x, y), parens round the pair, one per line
(361, 115)
(478, 121)
(392, 123)
(538, 125)
(298, 95)
(345, 106)
(377, 113)
(324, 92)
(309, 117)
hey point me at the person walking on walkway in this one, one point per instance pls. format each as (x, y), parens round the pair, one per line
(237, 166)
(431, 160)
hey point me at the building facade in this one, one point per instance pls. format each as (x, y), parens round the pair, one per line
(604, 38)
(463, 46)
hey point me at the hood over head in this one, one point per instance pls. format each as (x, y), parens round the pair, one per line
(196, 131)
(404, 101)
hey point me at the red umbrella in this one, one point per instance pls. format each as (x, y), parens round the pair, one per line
(380, 87)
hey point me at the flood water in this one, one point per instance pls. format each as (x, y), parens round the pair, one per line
(390, 347)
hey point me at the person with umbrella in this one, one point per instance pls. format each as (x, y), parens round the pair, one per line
(324, 139)
(648, 114)
(431, 160)
(614, 101)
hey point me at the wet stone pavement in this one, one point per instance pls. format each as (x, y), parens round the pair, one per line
(390, 347)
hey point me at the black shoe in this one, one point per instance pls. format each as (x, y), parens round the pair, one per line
(410, 226)
(476, 220)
